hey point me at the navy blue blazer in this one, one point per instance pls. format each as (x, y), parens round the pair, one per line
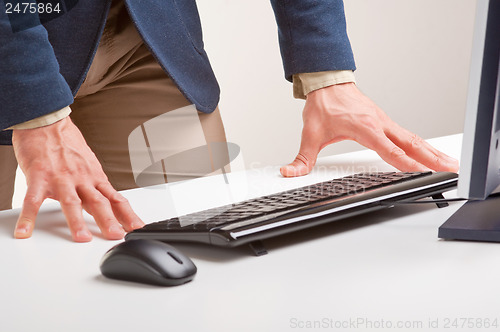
(42, 67)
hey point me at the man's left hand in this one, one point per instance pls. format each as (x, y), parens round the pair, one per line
(341, 112)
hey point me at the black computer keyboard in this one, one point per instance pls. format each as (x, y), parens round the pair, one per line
(267, 216)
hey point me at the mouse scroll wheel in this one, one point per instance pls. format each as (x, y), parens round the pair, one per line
(175, 257)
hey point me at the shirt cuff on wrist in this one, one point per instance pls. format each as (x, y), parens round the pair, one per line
(44, 120)
(305, 83)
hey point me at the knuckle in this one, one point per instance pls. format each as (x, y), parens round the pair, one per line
(70, 200)
(117, 198)
(96, 199)
(25, 221)
(100, 176)
(397, 152)
(40, 167)
(65, 172)
(303, 159)
(32, 199)
(437, 162)
(416, 141)
(414, 165)
(369, 121)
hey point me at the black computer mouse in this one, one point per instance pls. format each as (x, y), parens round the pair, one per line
(148, 261)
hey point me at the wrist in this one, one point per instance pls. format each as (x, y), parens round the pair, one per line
(39, 135)
(334, 91)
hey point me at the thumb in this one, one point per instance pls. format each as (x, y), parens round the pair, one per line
(306, 158)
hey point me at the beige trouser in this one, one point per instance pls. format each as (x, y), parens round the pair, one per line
(124, 89)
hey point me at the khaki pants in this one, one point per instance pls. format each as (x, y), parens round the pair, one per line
(126, 87)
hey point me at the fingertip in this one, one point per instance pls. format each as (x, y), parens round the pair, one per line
(24, 228)
(136, 225)
(454, 166)
(447, 165)
(131, 221)
(285, 170)
(420, 168)
(22, 233)
(82, 236)
(115, 232)
(293, 171)
(113, 237)
(121, 208)
(450, 167)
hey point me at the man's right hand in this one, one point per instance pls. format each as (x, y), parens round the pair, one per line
(58, 164)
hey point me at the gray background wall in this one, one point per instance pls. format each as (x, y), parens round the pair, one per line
(412, 58)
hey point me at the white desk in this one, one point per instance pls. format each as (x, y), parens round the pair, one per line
(384, 267)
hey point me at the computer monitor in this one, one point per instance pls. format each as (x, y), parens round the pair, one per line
(480, 164)
(479, 219)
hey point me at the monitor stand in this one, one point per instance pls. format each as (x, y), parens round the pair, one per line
(474, 221)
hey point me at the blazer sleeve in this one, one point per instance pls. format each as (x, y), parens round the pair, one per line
(312, 36)
(30, 82)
